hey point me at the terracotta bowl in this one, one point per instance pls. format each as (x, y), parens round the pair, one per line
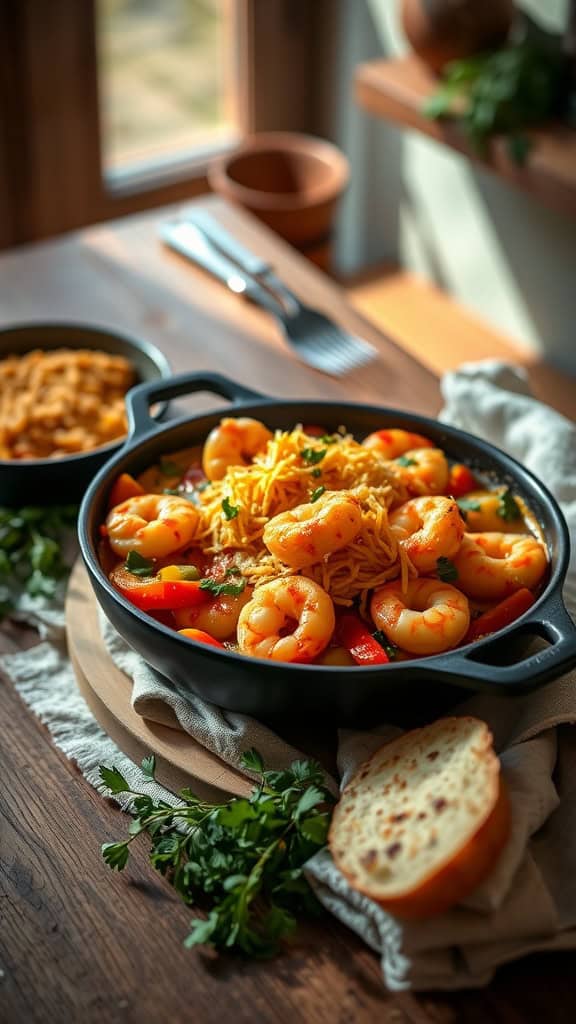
(290, 182)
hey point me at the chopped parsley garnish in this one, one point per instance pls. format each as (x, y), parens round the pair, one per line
(172, 490)
(139, 566)
(508, 507)
(317, 493)
(403, 460)
(447, 571)
(330, 438)
(169, 468)
(230, 511)
(313, 455)
(231, 589)
(233, 570)
(467, 505)
(380, 636)
(315, 473)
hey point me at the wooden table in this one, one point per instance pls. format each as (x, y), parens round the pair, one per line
(78, 943)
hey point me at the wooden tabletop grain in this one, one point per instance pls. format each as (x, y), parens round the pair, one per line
(78, 943)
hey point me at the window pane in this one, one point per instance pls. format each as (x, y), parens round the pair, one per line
(167, 79)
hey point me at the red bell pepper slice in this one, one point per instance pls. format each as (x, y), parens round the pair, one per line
(461, 480)
(201, 637)
(153, 594)
(355, 636)
(510, 609)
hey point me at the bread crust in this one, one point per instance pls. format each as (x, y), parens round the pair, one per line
(453, 879)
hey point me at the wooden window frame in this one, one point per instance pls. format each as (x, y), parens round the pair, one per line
(51, 177)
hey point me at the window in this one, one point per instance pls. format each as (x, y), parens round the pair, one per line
(113, 106)
(168, 77)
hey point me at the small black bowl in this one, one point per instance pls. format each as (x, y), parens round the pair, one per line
(63, 480)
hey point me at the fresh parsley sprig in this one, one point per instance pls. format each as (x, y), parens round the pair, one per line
(242, 860)
(31, 550)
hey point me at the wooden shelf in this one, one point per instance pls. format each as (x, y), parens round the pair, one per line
(397, 89)
(440, 333)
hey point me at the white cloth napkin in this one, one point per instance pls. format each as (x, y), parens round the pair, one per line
(529, 902)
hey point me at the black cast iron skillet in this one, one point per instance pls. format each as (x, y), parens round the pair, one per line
(498, 664)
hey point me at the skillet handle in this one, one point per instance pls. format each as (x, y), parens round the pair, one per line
(552, 622)
(140, 398)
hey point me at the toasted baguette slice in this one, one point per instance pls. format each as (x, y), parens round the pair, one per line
(422, 822)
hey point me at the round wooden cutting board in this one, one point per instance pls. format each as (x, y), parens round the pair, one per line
(181, 761)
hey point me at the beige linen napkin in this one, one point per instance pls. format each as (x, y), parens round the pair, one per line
(529, 902)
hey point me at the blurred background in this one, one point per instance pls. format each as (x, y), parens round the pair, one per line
(110, 107)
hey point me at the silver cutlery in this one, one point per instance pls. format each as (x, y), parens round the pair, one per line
(314, 338)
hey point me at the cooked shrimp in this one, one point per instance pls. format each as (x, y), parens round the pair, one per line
(428, 529)
(289, 619)
(154, 525)
(306, 534)
(392, 443)
(428, 618)
(492, 565)
(234, 442)
(219, 617)
(482, 511)
(423, 470)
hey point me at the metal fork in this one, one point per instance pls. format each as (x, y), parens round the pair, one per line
(315, 338)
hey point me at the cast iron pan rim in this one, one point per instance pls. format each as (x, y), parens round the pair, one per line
(515, 468)
(146, 347)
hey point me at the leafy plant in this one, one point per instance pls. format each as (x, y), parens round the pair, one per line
(31, 553)
(241, 860)
(505, 91)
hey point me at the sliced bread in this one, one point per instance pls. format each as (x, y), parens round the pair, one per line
(424, 819)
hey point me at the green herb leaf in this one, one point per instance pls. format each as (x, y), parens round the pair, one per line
(316, 828)
(404, 460)
(317, 493)
(508, 507)
(312, 456)
(252, 761)
(330, 438)
(149, 766)
(467, 505)
(139, 566)
(446, 570)
(115, 855)
(308, 800)
(115, 781)
(230, 511)
(316, 473)
(233, 589)
(243, 859)
(380, 636)
(31, 550)
(233, 570)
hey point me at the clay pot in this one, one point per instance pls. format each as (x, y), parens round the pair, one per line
(443, 30)
(291, 182)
